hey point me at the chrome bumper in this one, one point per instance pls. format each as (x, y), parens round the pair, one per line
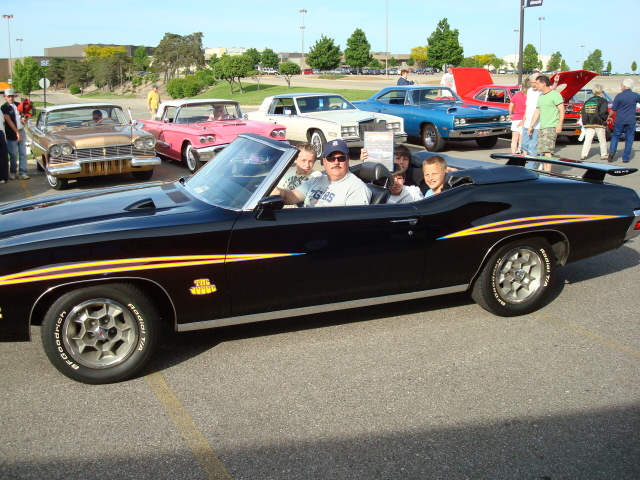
(205, 154)
(76, 167)
(475, 132)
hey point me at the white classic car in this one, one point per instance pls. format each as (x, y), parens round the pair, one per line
(318, 117)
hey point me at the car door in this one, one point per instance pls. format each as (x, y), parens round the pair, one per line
(398, 103)
(332, 254)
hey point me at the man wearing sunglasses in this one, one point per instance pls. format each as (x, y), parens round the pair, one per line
(338, 188)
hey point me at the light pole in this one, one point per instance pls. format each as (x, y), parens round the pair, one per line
(515, 49)
(540, 53)
(9, 17)
(302, 28)
(582, 49)
(20, 40)
(386, 42)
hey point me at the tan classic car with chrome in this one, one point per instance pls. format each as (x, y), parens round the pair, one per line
(87, 140)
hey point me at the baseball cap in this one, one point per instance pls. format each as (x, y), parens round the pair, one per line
(155, 86)
(335, 146)
(9, 91)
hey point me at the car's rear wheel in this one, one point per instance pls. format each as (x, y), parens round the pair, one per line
(431, 139)
(318, 140)
(143, 175)
(189, 158)
(57, 183)
(517, 278)
(100, 334)
(487, 142)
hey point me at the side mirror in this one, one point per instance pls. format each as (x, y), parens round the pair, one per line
(266, 207)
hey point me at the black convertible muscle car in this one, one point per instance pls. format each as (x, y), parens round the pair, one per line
(103, 272)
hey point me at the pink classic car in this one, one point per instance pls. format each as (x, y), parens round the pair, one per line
(194, 131)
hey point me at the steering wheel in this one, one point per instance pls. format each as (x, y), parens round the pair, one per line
(105, 118)
(334, 107)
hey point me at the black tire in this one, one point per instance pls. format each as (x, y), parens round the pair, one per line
(192, 163)
(39, 167)
(143, 175)
(573, 139)
(57, 183)
(319, 141)
(517, 278)
(487, 142)
(128, 321)
(431, 139)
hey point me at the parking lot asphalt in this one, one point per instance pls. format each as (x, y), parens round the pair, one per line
(432, 388)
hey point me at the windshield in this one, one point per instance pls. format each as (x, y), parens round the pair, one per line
(431, 96)
(208, 112)
(86, 117)
(585, 94)
(233, 176)
(322, 103)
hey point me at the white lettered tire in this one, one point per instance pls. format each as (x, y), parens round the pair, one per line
(517, 278)
(101, 334)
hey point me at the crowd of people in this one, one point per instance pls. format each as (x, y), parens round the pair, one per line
(13, 142)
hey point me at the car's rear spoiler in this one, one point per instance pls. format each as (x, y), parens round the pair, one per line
(595, 172)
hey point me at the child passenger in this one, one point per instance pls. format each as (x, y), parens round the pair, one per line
(400, 193)
(434, 169)
(304, 168)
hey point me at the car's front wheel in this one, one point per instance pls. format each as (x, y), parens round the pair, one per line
(487, 142)
(517, 278)
(431, 139)
(143, 175)
(188, 157)
(57, 183)
(318, 140)
(100, 334)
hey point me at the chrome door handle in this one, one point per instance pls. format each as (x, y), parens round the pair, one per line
(410, 221)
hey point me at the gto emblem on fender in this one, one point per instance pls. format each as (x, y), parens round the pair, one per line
(202, 286)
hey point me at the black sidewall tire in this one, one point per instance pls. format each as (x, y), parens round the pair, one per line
(142, 310)
(438, 144)
(486, 294)
(57, 183)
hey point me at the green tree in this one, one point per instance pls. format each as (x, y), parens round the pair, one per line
(393, 62)
(233, 68)
(76, 72)
(176, 51)
(26, 75)
(358, 51)
(213, 60)
(255, 55)
(324, 55)
(470, 62)
(270, 58)
(634, 66)
(554, 62)
(594, 61)
(141, 58)
(444, 46)
(608, 66)
(564, 67)
(411, 62)
(56, 70)
(289, 69)
(420, 55)
(375, 63)
(530, 58)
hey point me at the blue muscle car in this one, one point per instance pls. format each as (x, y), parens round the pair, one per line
(437, 114)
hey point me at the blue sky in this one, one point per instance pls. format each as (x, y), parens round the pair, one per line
(484, 26)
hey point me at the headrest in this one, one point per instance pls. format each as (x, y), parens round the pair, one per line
(375, 172)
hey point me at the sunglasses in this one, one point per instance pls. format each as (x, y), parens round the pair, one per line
(340, 158)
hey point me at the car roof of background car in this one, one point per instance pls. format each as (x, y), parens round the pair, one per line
(69, 106)
(197, 101)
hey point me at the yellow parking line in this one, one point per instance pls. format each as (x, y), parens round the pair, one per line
(182, 420)
(23, 184)
(590, 335)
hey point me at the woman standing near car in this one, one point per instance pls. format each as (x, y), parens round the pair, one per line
(594, 121)
(517, 108)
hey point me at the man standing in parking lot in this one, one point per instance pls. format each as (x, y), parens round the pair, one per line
(625, 107)
(550, 112)
(153, 101)
(16, 142)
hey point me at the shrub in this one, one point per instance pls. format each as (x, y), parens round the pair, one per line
(74, 89)
(192, 86)
(151, 78)
(175, 88)
(206, 77)
(136, 81)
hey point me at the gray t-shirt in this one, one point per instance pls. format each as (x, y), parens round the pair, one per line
(322, 192)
